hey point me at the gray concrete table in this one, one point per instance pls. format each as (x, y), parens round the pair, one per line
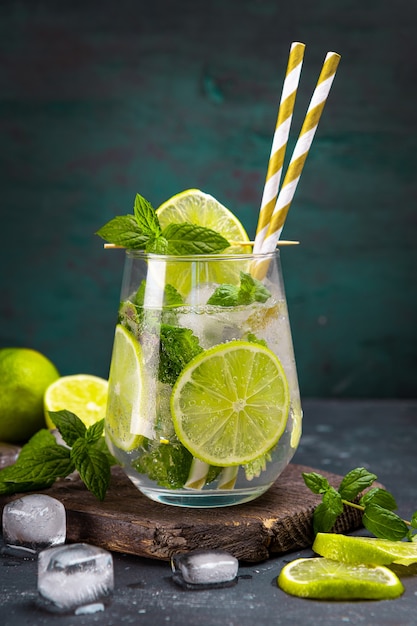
(337, 436)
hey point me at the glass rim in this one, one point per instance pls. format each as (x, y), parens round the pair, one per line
(221, 256)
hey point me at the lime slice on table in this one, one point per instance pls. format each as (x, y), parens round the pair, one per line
(332, 580)
(196, 207)
(127, 420)
(82, 394)
(230, 404)
(365, 549)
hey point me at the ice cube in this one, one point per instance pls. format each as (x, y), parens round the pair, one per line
(32, 523)
(8, 454)
(75, 578)
(205, 569)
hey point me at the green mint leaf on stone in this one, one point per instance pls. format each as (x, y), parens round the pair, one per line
(355, 482)
(384, 523)
(224, 295)
(69, 425)
(251, 290)
(146, 217)
(379, 496)
(316, 482)
(188, 238)
(123, 230)
(93, 467)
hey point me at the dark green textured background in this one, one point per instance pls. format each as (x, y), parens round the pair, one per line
(101, 100)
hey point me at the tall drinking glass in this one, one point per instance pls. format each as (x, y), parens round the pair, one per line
(204, 406)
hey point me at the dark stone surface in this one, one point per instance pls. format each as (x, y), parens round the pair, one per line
(338, 436)
(100, 100)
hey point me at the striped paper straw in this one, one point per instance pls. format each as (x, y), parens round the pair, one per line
(301, 149)
(279, 143)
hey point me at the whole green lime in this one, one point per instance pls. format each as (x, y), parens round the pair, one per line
(24, 376)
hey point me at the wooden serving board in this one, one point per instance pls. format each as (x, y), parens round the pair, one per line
(127, 521)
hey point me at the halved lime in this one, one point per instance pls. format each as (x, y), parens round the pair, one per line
(333, 580)
(230, 403)
(82, 394)
(127, 420)
(196, 207)
(365, 549)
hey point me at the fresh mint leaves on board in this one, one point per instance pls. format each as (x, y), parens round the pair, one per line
(377, 505)
(142, 231)
(42, 460)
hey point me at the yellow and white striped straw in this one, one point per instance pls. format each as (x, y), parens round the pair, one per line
(279, 142)
(301, 149)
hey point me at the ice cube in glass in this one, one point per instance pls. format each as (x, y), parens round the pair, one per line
(75, 578)
(32, 523)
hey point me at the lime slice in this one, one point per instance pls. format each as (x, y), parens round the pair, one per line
(82, 394)
(332, 580)
(196, 207)
(127, 420)
(230, 403)
(365, 549)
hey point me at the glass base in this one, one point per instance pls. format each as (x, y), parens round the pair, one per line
(203, 499)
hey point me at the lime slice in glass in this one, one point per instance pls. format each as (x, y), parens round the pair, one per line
(332, 580)
(82, 394)
(230, 404)
(127, 420)
(365, 549)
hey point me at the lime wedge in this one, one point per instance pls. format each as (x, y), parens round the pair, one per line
(82, 394)
(332, 580)
(230, 403)
(127, 420)
(365, 549)
(196, 207)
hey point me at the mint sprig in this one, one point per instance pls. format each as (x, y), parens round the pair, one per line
(142, 231)
(42, 460)
(377, 505)
(250, 290)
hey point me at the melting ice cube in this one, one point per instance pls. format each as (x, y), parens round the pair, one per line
(205, 569)
(32, 523)
(75, 578)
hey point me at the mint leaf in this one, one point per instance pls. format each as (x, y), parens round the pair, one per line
(146, 217)
(252, 290)
(188, 238)
(414, 520)
(355, 482)
(123, 230)
(379, 496)
(157, 245)
(225, 295)
(316, 482)
(95, 431)
(93, 467)
(252, 338)
(168, 464)
(69, 425)
(172, 297)
(178, 346)
(327, 512)
(384, 523)
(37, 468)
